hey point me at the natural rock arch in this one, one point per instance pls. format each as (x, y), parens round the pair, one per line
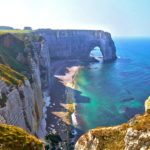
(96, 52)
(106, 46)
(77, 44)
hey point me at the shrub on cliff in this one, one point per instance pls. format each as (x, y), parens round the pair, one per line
(15, 138)
(10, 76)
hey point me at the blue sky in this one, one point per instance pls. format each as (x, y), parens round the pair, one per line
(120, 17)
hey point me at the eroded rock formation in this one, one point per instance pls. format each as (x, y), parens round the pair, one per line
(22, 105)
(134, 135)
(77, 44)
(21, 108)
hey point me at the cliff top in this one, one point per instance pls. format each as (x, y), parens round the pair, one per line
(129, 136)
(15, 31)
(14, 49)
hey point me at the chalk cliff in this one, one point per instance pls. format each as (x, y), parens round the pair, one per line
(21, 108)
(22, 96)
(21, 102)
(77, 44)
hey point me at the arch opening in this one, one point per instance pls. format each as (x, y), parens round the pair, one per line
(96, 53)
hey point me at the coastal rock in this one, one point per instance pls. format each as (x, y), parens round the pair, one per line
(41, 63)
(134, 135)
(21, 108)
(86, 144)
(2, 120)
(147, 105)
(77, 44)
(135, 140)
(23, 105)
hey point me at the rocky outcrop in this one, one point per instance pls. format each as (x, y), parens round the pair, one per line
(40, 63)
(137, 140)
(77, 44)
(23, 105)
(134, 135)
(21, 108)
(147, 105)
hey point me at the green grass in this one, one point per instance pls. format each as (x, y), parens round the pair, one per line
(10, 76)
(9, 53)
(15, 138)
(11, 44)
(16, 31)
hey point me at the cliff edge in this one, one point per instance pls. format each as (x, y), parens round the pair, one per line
(21, 94)
(134, 135)
(77, 44)
(15, 138)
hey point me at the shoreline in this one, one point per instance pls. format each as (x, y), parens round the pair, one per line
(70, 85)
(62, 105)
(69, 81)
(69, 78)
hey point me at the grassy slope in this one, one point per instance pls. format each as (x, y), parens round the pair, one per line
(16, 31)
(9, 53)
(13, 44)
(10, 76)
(15, 138)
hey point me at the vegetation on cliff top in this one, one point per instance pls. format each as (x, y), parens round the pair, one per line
(14, 44)
(15, 138)
(10, 76)
(10, 47)
(112, 138)
(15, 31)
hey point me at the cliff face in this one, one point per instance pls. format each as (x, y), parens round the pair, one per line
(29, 54)
(77, 44)
(134, 135)
(21, 108)
(21, 101)
(40, 65)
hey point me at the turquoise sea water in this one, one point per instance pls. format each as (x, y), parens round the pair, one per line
(116, 91)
